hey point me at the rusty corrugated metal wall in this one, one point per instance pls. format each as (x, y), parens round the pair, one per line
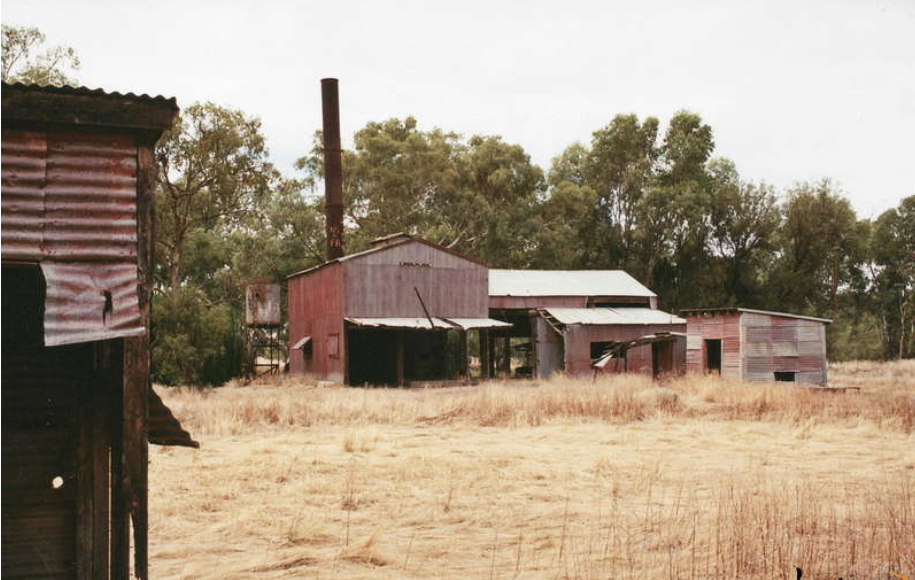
(69, 202)
(783, 344)
(723, 327)
(757, 345)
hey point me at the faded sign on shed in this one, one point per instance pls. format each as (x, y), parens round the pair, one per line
(262, 305)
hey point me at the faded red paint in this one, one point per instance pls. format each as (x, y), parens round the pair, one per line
(578, 339)
(758, 344)
(378, 284)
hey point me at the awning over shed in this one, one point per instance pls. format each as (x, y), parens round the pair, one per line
(599, 316)
(424, 324)
(474, 323)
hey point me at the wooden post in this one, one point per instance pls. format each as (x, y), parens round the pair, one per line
(506, 355)
(484, 353)
(491, 370)
(465, 355)
(400, 357)
(120, 508)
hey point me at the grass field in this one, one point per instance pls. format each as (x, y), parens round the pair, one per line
(699, 478)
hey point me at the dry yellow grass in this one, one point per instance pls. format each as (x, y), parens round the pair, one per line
(701, 478)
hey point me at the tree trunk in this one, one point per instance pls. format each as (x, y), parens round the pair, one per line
(174, 272)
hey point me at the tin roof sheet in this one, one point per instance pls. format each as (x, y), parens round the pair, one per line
(473, 323)
(599, 316)
(735, 309)
(88, 92)
(565, 283)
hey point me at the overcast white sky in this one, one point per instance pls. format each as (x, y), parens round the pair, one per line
(793, 90)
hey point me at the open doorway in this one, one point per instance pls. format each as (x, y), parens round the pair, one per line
(713, 355)
(662, 359)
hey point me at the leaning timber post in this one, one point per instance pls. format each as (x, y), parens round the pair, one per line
(484, 354)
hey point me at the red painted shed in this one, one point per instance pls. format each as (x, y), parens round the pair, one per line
(571, 318)
(756, 345)
(397, 313)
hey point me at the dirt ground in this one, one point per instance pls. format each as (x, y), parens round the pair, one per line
(298, 482)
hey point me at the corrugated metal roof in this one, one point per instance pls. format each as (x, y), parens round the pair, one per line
(397, 240)
(599, 316)
(565, 283)
(87, 92)
(423, 323)
(733, 310)
(417, 323)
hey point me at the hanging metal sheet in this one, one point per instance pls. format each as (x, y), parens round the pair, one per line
(88, 301)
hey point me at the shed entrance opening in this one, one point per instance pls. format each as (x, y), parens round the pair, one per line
(397, 356)
(785, 376)
(662, 359)
(713, 355)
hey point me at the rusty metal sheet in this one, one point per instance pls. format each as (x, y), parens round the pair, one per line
(262, 305)
(90, 198)
(23, 173)
(87, 301)
(164, 427)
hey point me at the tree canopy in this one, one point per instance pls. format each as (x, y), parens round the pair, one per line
(24, 62)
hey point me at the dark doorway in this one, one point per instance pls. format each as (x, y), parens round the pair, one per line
(784, 376)
(394, 356)
(713, 355)
(662, 358)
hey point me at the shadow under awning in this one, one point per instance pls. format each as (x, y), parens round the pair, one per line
(164, 427)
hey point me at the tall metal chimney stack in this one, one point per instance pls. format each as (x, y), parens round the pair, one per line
(333, 172)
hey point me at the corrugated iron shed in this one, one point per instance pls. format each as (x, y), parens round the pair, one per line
(565, 283)
(77, 179)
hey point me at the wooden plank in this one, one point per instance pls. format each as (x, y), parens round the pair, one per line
(85, 493)
(100, 474)
(120, 522)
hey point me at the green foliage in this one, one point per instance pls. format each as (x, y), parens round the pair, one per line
(193, 341)
(21, 63)
(478, 196)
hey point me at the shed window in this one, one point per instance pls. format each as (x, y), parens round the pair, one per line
(784, 376)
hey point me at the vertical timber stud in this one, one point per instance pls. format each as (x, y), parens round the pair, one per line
(120, 513)
(484, 353)
(136, 369)
(400, 357)
(333, 171)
